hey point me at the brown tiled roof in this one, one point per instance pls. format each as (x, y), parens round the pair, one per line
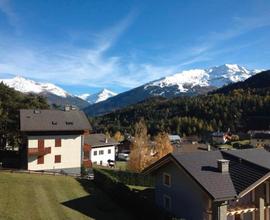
(246, 168)
(53, 120)
(98, 140)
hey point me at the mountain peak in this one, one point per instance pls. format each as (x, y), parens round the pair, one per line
(103, 95)
(25, 85)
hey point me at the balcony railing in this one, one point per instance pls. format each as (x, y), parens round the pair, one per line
(38, 152)
(240, 209)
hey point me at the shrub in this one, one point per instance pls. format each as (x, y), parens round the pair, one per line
(136, 202)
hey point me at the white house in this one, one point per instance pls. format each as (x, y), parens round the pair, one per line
(260, 138)
(54, 140)
(102, 148)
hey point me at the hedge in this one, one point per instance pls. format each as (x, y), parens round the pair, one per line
(131, 178)
(135, 201)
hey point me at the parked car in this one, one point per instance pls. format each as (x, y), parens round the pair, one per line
(124, 155)
(90, 174)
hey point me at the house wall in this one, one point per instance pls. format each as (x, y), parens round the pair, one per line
(102, 159)
(188, 200)
(260, 142)
(70, 151)
(260, 193)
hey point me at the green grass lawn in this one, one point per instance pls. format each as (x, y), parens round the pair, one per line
(34, 197)
(121, 165)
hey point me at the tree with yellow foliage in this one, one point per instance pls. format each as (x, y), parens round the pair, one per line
(142, 152)
(139, 148)
(162, 146)
(118, 136)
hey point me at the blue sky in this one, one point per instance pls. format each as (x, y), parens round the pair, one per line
(85, 46)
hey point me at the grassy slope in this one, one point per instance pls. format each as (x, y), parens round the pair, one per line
(25, 196)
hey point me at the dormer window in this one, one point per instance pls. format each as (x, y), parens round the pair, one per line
(54, 122)
(69, 123)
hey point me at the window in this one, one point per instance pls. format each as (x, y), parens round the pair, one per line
(57, 158)
(40, 160)
(58, 142)
(101, 152)
(166, 179)
(95, 153)
(100, 162)
(109, 151)
(167, 202)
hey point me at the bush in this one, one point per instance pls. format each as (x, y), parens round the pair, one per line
(136, 202)
(131, 178)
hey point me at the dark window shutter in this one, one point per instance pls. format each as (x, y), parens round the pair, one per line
(58, 142)
(57, 158)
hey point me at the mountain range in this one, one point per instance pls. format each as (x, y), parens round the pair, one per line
(186, 83)
(55, 95)
(240, 106)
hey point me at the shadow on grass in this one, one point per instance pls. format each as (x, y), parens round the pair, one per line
(139, 203)
(97, 205)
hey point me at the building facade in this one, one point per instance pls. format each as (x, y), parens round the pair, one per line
(102, 148)
(260, 139)
(214, 185)
(54, 140)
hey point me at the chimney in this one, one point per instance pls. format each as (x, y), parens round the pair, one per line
(67, 108)
(106, 140)
(223, 165)
(208, 147)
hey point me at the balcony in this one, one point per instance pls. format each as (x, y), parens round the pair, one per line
(38, 152)
(86, 148)
(87, 163)
(241, 209)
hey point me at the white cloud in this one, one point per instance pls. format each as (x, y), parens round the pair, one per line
(93, 66)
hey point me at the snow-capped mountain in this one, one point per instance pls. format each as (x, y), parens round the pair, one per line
(98, 97)
(186, 83)
(217, 77)
(24, 85)
(53, 93)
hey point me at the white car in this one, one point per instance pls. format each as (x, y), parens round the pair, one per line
(124, 155)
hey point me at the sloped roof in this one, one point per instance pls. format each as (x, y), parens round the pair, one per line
(98, 140)
(53, 120)
(245, 170)
(261, 136)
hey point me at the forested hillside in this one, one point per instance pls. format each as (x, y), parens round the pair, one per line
(10, 103)
(238, 109)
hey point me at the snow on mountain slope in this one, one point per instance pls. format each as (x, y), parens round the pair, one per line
(215, 77)
(98, 97)
(29, 86)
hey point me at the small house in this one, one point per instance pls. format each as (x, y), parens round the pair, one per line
(220, 137)
(102, 148)
(214, 185)
(260, 139)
